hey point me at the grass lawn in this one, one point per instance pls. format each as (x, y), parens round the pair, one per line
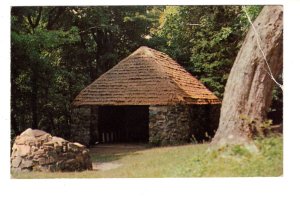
(192, 160)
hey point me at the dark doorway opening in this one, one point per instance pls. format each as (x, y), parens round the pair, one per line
(123, 124)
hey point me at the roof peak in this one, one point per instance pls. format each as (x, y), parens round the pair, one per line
(146, 77)
(143, 50)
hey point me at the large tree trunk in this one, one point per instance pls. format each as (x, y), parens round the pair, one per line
(248, 92)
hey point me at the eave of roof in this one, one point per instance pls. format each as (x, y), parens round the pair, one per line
(146, 77)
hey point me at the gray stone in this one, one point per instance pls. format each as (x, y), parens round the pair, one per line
(26, 163)
(38, 133)
(58, 148)
(168, 125)
(47, 153)
(79, 145)
(178, 124)
(16, 161)
(23, 150)
(24, 140)
(49, 144)
(42, 160)
(58, 140)
(82, 119)
(72, 147)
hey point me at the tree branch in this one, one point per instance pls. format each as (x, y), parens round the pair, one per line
(32, 24)
(30, 21)
(37, 21)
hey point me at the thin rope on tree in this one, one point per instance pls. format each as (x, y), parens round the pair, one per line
(258, 40)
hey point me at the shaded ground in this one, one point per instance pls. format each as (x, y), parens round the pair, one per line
(105, 156)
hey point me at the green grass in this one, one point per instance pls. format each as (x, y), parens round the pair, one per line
(184, 161)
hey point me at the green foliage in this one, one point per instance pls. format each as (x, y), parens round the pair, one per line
(57, 51)
(239, 150)
(259, 128)
(253, 12)
(193, 140)
(172, 34)
(276, 110)
(204, 39)
(38, 56)
(215, 50)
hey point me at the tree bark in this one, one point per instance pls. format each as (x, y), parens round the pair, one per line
(248, 92)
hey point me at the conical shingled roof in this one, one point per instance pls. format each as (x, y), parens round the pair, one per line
(146, 77)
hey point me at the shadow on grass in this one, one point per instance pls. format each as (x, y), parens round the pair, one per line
(108, 153)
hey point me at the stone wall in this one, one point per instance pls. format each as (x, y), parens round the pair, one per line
(169, 125)
(179, 124)
(83, 125)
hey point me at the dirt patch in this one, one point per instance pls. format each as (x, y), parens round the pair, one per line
(107, 149)
(106, 166)
(108, 156)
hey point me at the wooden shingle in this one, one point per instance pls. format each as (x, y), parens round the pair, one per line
(146, 77)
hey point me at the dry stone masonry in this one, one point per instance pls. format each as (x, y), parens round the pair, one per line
(36, 150)
(81, 126)
(169, 125)
(179, 124)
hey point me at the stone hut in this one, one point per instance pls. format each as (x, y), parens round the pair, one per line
(146, 97)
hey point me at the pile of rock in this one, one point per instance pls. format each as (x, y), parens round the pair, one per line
(36, 150)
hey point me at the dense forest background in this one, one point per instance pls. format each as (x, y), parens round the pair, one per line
(57, 51)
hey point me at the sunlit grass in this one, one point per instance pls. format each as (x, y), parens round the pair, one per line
(185, 161)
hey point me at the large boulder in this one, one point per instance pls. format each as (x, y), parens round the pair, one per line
(36, 150)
